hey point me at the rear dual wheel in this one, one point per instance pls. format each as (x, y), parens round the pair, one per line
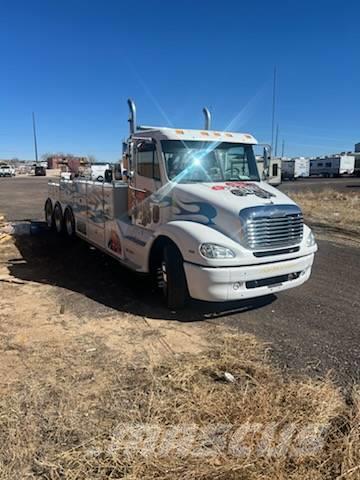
(69, 223)
(49, 214)
(62, 223)
(58, 219)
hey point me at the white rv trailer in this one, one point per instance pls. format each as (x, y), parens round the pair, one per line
(333, 166)
(194, 213)
(294, 168)
(274, 170)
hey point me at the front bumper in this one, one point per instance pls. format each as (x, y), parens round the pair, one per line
(229, 283)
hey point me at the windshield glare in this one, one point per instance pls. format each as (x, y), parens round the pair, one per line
(194, 161)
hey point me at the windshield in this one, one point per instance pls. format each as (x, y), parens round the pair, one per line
(194, 161)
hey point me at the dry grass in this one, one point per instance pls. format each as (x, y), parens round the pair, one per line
(63, 421)
(331, 208)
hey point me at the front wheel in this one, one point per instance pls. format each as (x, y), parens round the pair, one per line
(174, 283)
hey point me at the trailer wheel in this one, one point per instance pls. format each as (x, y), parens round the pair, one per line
(69, 222)
(174, 284)
(49, 217)
(58, 219)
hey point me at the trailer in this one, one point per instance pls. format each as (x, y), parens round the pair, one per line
(334, 166)
(295, 168)
(274, 165)
(191, 211)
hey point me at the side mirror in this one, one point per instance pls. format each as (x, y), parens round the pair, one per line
(108, 176)
(146, 146)
(117, 172)
(266, 160)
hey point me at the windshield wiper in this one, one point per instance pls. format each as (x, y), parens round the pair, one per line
(241, 180)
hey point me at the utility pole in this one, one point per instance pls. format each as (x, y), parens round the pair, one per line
(273, 110)
(283, 149)
(35, 141)
(276, 139)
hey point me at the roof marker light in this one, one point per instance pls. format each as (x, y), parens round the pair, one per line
(228, 135)
(217, 134)
(180, 131)
(206, 134)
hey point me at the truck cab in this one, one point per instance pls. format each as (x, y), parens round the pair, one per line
(192, 211)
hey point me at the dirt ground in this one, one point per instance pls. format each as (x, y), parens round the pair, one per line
(35, 316)
(74, 291)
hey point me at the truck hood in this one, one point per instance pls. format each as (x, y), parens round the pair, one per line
(219, 204)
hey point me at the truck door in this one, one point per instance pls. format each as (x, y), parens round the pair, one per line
(145, 181)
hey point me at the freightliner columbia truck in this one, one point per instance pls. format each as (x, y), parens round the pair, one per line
(192, 211)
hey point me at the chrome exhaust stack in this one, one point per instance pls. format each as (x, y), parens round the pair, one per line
(207, 116)
(132, 116)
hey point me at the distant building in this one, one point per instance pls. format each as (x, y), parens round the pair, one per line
(357, 147)
(67, 163)
(54, 161)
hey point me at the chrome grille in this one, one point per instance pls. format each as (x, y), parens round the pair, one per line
(271, 226)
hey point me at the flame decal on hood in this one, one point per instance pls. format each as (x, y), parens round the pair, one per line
(200, 209)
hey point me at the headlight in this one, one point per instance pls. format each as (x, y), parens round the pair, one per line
(310, 241)
(211, 250)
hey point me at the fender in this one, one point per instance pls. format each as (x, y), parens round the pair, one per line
(188, 236)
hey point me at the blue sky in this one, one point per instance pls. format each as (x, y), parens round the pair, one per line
(76, 62)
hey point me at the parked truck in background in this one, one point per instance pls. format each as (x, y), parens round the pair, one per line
(193, 212)
(98, 171)
(39, 171)
(7, 171)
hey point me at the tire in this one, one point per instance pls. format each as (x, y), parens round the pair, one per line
(69, 223)
(175, 289)
(58, 219)
(49, 214)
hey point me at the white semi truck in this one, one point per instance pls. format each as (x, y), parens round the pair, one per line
(193, 212)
